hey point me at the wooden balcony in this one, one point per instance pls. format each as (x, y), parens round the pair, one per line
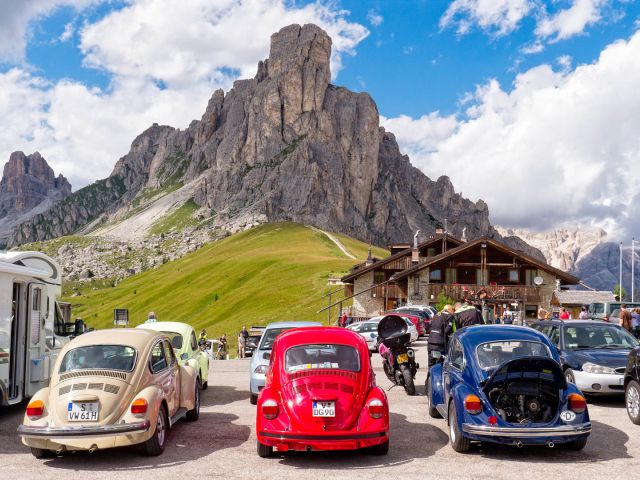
(388, 291)
(485, 292)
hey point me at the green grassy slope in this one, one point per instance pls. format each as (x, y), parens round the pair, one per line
(269, 273)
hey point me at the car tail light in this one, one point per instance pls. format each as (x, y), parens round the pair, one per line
(493, 420)
(35, 409)
(472, 404)
(577, 403)
(139, 406)
(376, 408)
(270, 409)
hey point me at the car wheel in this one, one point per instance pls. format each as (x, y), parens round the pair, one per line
(459, 442)
(409, 386)
(41, 453)
(155, 445)
(194, 414)
(433, 411)
(381, 449)
(253, 399)
(569, 376)
(264, 451)
(576, 445)
(632, 399)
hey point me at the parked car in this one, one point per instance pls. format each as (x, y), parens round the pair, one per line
(632, 385)
(593, 354)
(260, 360)
(321, 395)
(255, 334)
(604, 310)
(368, 330)
(427, 308)
(185, 345)
(424, 323)
(111, 388)
(504, 384)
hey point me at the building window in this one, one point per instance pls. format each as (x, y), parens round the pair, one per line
(431, 252)
(514, 275)
(530, 276)
(378, 277)
(435, 275)
(416, 284)
(451, 275)
(531, 311)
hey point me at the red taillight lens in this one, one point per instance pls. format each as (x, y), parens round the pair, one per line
(577, 403)
(493, 420)
(376, 408)
(270, 409)
(35, 409)
(472, 404)
(139, 406)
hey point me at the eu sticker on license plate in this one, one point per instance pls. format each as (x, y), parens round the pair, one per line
(82, 412)
(324, 409)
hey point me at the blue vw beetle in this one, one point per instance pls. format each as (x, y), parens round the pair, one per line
(504, 384)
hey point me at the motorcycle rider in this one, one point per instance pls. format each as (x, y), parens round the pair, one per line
(441, 329)
(467, 315)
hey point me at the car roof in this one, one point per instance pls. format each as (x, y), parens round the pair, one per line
(478, 334)
(293, 324)
(178, 327)
(137, 338)
(572, 322)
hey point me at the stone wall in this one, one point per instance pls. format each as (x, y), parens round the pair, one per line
(364, 305)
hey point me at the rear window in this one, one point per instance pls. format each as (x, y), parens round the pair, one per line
(322, 356)
(103, 357)
(492, 354)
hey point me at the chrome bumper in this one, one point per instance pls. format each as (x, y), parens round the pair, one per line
(82, 431)
(518, 432)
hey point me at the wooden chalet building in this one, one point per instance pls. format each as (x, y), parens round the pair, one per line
(485, 270)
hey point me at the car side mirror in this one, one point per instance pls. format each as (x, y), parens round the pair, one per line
(184, 356)
(267, 356)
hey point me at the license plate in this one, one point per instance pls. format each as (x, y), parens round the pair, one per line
(82, 412)
(403, 358)
(324, 409)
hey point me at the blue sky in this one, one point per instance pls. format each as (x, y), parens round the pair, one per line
(519, 102)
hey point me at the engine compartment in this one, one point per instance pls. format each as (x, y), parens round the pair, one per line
(525, 401)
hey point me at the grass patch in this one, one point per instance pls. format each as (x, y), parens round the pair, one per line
(179, 219)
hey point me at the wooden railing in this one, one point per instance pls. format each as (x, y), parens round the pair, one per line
(488, 292)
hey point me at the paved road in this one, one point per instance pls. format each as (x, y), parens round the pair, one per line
(222, 444)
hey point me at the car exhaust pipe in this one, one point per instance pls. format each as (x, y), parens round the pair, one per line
(93, 448)
(518, 444)
(61, 450)
(550, 444)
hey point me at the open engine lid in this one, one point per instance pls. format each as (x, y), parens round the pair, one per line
(527, 369)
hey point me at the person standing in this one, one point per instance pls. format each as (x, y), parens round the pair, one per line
(584, 315)
(222, 347)
(625, 318)
(564, 314)
(441, 328)
(467, 315)
(202, 340)
(151, 318)
(242, 345)
(343, 320)
(635, 322)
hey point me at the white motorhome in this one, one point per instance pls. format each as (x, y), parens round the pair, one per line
(32, 328)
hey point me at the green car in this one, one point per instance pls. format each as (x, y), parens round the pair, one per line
(185, 344)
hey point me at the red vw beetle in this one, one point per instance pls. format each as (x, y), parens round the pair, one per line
(320, 394)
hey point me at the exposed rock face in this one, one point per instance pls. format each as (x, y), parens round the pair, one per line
(28, 187)
(288, 145)
(600, 269)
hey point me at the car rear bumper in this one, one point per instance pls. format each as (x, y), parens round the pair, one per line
(284, 441)
(608, 382)
(55, 433)
(527, 432)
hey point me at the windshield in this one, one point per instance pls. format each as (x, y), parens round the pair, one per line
(176, 339)
(107, 357)
(598, 336)
(270, 335)
(492, 354)
(325, 356)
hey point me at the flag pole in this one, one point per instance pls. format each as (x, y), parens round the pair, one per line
(620, 284)
(633, 261)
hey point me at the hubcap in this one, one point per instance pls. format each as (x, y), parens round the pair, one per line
(160, 428)
(452, 430)
(633, 401)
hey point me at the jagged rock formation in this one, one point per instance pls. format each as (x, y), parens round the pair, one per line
(600, 269)
(28, 186)
(285, 145)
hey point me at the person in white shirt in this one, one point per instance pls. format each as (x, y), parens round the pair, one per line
(151, 318)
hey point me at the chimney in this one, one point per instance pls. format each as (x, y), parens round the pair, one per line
(439, 230)
(369, 260)
(415, 253)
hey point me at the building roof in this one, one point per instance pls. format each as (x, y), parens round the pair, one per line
(566, 277)
(364, 268)
(583, 297)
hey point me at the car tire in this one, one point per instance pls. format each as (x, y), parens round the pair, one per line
(253, 399)
(460, 443)
(576, 445)
(632, 401)
(381, 449)
(409, 386)
(194, 413)
(433, 411)
(155, 445)
(41, 453)
(264, 451)
(205, 385)
(569, 376)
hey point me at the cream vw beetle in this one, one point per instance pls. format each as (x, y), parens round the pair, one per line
(111, 388)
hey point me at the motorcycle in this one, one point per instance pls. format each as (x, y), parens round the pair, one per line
(398, 359)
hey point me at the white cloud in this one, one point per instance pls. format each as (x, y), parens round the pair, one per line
(374, 18)
(16, 18)
(498, 17)
(165, 57)
(571, 21)
(68, 32)
(558, 147)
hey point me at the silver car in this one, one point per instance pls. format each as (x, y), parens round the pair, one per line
(260, 358)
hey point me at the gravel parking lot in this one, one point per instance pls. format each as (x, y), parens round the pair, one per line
(222, 444)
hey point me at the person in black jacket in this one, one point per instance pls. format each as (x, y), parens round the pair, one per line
(467, 315)
(441, 328)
